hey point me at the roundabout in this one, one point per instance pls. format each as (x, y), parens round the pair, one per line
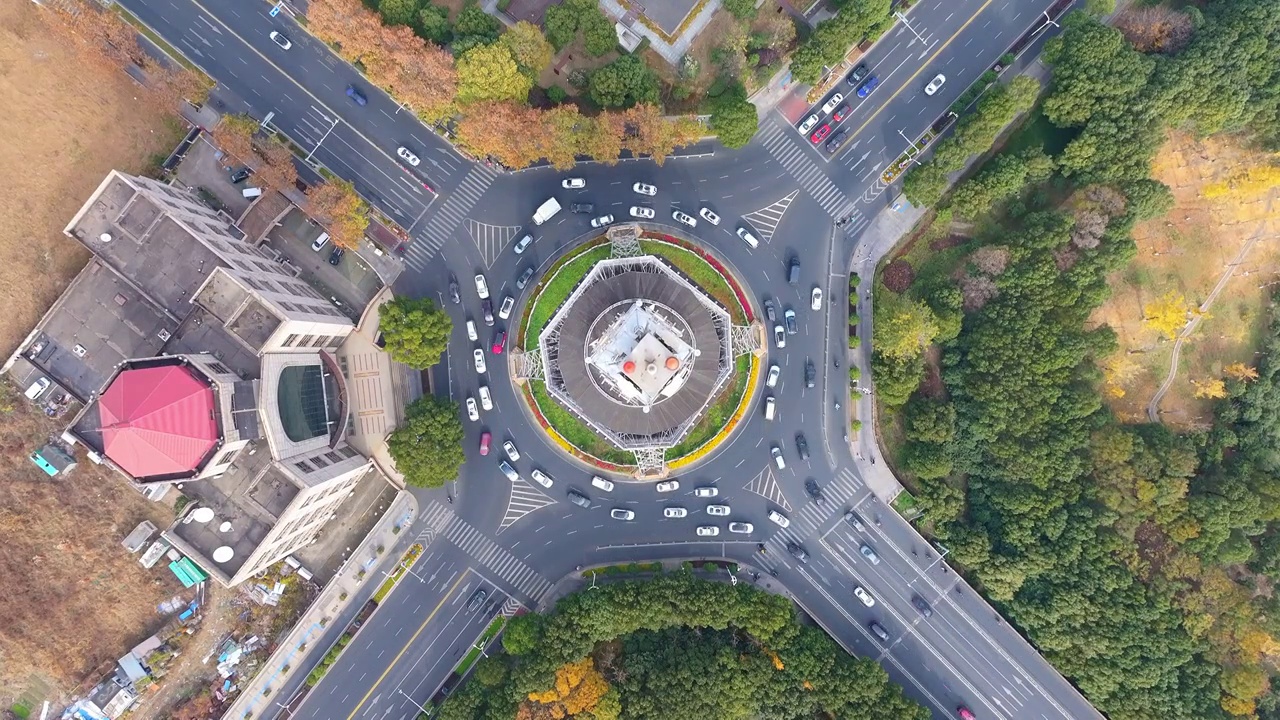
(639, 366)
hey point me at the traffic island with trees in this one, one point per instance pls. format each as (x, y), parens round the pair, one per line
(1140, 561)
(675, 646)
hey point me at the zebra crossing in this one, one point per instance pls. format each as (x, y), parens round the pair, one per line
(490, 239)
(837, 494)
(506, 566)
(766, 219)
(523, 500)
(780, 142)
(766, 486)
(450, 214)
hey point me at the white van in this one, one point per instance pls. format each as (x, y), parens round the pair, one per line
(251, 192)
(37, 388)
(471, 331)
(320, 241)
(769, 408)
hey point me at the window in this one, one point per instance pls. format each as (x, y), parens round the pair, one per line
(303, 465)
(348, 451)
(263, 266)
(320, 341)
(333, 457)
(306, 341)
(289, 341)
(319, 462)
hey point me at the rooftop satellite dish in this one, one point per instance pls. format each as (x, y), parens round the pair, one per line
(224, 527)
(202, 514)
(223, 554)
(105, 237)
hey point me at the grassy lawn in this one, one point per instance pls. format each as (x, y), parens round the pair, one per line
(554, 293)
(574, 430)
(697, 270)
(473, 655)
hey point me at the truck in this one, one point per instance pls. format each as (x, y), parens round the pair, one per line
(546, 211)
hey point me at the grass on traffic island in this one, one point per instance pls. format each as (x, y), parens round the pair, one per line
(473, 654)
(406, 561)
(574, 435)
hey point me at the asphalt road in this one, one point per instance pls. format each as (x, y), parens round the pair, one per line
(518, 539)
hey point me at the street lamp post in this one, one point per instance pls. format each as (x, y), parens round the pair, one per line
(898, 14)
(326, 134)
(914, 158)
(414, 702)
(1048, 22)
(943, 550)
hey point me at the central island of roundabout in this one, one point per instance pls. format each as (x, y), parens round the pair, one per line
(638, 352)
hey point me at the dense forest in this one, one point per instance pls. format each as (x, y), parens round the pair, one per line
(678, 647)
(1141, 562)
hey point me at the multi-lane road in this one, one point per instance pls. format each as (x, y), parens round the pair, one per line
(517, 540)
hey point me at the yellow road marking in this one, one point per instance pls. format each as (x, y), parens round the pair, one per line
(405, 649)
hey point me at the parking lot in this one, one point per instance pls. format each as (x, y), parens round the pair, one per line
(352, 282)
(202, 169)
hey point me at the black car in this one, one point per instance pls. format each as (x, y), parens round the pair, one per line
(486, 306)
(582, 208)
(798, 552)
(477, 599)
(453, 289)
(836, 141)
(802, 447)
(810, 373)
(579, 499)
(524, 278)
(811, 485)
(770, 311)
(922, 606)
(856, 75)
(335, 257)
(240, 175)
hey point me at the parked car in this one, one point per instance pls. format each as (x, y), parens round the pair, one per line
(748, 238)
(523, 244)
(524, 278)
(406, 155)
(935, 84)
(644, 213)
(478, 356)
(868, 85)
(869, 554)
(831, 104)
(320, 242)
(622, 514)
(709, 216)
(482, 286)
(667, 486)
(583, 208)
(335, 257)
(645, 189)
(508, 303)
(485, 438)
(779, 519)
(855, 76)
(473, 412)
(708, 531)
(509, 447)
(601, 221)
(599, 482)
(573, 183)
(706, 491)
(684, 218)
(742, 528)
(808, 124)
(771, 380)
(674, 512)
(240, 175)
(578, 499)
(718, 510)
(280, 39)
(864, 596)
(356, 96)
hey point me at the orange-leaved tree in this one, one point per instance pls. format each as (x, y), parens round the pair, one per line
(578, 688)
(504, 130)
(341, 210)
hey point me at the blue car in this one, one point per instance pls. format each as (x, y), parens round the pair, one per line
(866, 87)
(358, 98)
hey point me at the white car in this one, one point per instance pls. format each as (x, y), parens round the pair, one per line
(808, 124)
(779, 519)
(478, 354)
(279, 39)
(486, 400)
(668, 486)
(645, 189)
(709, 216)
(935, 84)
(472, 335)
(573, 183)
(523, 244)
(482, 287)
(622, 514)
(601, 221)
(706, 491)
(508, 302)
(779, 336)
(541, 478)
(718, 510)
(708, 531)
(741, 527)
(407, 156)
(864, 596)
(772, 379)
(683, 218)
(815, 299)
(644, 213)
(777, 458)
(674, 512)
(472, 411)
(510, 449)
(832, 103)
(605, 485)
(748, 238)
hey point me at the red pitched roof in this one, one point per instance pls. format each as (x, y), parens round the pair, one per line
(157, 421)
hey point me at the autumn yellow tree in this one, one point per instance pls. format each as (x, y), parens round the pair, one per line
(1252, 181)
(1168, 315)
(601, 138)
(234, 134)
(341, 210)
(277, 171)
(1240, 371)
(562, 134)
(1118, 371)
(578, 688)
(348, 25)
(1210, 388)
(501, 129)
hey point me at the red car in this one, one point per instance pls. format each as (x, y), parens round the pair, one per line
(498, 342)
(484, 443)
(823, 130)
(841, 113)
(964, 713)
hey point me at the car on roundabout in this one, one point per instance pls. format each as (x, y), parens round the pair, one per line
(408, 156)
(742, 528)
(578, 499)
(485, 438)
(708, 531)
(482, 286)
(778, 460)
(706, 491)
(864, 596)
(748, 238)
(582, 208)
(667, 486)
(524, 278)
(601, 221)
(473, 412)
(601, 483)
(510, 449)
(815, 299)
(486, 399)
(771, 310)
(541, 478)
(478, 355)
(779, 336)
(499, 342)
(674, 512)
(573, 183)
(718, 510)
(779, 519)
(644, 189)
(509, 471)
(508, 303)
(683, 218)
(790, 317)
(523, 245)
(622, 514)
(709, 216)
(771, 380)
(644, 213)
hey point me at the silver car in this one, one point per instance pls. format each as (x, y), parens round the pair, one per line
(869, 554)
(622, 514)
(523, 244)
(684, 218)
(407, 156)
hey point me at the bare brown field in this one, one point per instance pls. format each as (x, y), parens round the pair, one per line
(1187, 251)
(71, 598)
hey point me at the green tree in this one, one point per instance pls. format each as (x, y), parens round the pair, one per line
(433, 24)
(561, 25)
(415, 330)
(398, 12)
(427, 449)
(741, 9)
(733, 119)
(903, 328)
(598, 34)
(624, 82)
(476, 25)
(924, 185)
(490, 73)
(530, 49)
(1095, 72)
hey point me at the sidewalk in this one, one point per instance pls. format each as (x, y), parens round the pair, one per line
(259, 696)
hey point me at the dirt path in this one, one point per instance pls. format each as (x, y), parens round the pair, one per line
(1153, 407)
